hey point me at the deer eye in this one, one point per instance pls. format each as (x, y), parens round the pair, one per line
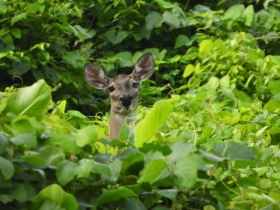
(135, 85)
(111, 88)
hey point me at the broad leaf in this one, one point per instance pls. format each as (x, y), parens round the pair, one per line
(233, 12)
(181, 40)
(234, 151)
(113, 195)
(55, 194)
(66, 171)
(168, 193)
(102, 169)
(7, 168)
(179, 150)
(17, 18)
(152, 171)
(66, 142)
(249, 15)
(156, 117)
(86, 135)
(186, 171)
(32, 101)
(211, 156)
(153, 20)
(205, 46)
(85, 167)
(29, 140)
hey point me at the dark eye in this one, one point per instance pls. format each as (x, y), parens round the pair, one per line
(135, 85)
(111, 88)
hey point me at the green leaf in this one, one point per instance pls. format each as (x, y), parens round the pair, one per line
(234, 151)
(124, 59)
(50, 205)
(225, 81)
(19, 192)
(22, 125)
(211, 156)
(171, 19)
(16, 32)
(86, 135)
(188, 70)
(85, 167)
(7, 39)
(3, 9)
(116, 37)
(66, 171)
(82, 33)
(213, 83)
(165, 4)
(6, 198)
(249, 15)
(156, 117)
(4, 143)
(52, 155)
(132, 161)
(55, 194)
(233, 12)
(206, 133)
(115, 168)
(153, 20)
(35, 159)
(152, 171)
(182, 40)
(186, 171)
(242, 98)
(179, 150)
(205, 46)
(274, 86)
(66, 142)
(102, 169)
(29, 140)
(132, 203)
(272, 105)
(17, 18)
(32, 101)
(113, 195)
(7, 168)
(168, 193)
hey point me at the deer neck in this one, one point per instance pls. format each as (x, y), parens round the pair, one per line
(117, 120)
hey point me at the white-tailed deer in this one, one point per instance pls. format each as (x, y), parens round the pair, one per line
(123, 90)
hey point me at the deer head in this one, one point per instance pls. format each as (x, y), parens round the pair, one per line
(122, 89)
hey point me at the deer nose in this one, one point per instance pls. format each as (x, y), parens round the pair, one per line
(126, 100)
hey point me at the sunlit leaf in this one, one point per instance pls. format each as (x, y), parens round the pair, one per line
(32, 101)
(156, 117)
(17, 18)
(249, 15)
(152, 171)
(86, 135)
(57, 195)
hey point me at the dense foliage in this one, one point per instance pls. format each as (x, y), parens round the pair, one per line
(214, 143)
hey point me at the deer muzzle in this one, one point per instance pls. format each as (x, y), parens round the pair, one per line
(126, 100)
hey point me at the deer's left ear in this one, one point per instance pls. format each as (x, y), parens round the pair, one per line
(144, 67)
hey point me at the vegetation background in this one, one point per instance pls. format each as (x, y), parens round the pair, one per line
(216, 90)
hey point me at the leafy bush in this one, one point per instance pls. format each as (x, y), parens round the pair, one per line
(214, 139)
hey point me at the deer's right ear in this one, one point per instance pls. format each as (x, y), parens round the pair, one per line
(95, 76)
